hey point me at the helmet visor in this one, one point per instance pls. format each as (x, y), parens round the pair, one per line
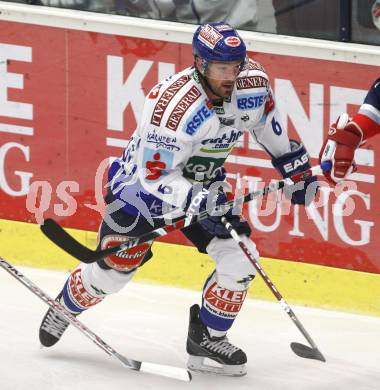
(228, 71)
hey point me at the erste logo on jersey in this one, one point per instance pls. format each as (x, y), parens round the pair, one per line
(182, 106)
(232, 41)
(251, 101)
(201, 115)
(209, 36)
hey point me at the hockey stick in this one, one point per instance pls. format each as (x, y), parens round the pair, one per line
(299, 349)
(151, 368)
(69, 244)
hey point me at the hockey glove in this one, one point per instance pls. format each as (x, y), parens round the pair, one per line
(204, 199)
(344, 137)
(296, 161)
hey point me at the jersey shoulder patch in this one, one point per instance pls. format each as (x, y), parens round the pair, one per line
(253, 76)
(252, 87)
(251, 82)
(164, 94)
(187, 112)
(178, 104)
(182, 107)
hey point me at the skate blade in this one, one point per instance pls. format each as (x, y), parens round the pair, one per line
(205, 365)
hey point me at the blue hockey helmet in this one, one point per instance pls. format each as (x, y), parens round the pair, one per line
(218, 42)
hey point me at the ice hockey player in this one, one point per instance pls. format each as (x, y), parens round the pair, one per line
(189, 125)
(346, 135)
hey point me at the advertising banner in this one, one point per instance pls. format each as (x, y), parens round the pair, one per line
(70, 100)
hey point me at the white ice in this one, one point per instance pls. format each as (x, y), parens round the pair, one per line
(149, 322)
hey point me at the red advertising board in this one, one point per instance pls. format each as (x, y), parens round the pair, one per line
(71, 99)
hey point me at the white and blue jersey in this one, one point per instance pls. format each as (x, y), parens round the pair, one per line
(182, 138)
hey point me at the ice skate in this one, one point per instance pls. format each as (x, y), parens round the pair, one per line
(212, 355)
(52, 327)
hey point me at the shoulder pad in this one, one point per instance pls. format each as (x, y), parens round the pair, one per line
(183, 107)
(252, 87)
(251, 81)
(164, 95)
(253, 76)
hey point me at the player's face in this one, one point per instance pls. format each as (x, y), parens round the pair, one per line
(222, 76)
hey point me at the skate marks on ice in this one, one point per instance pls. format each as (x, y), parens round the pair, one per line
(149, 323)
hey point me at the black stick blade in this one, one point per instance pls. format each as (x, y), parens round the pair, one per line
(307, 352)
(60, 237)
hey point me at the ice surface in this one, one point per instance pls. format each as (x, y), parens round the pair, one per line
(149, 322)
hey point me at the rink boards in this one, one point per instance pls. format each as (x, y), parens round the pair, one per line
(183, 266)
(72, 90)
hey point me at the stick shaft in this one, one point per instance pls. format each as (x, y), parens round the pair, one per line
(151, 368)
(68, 243)
(67, 315)
(268, 282)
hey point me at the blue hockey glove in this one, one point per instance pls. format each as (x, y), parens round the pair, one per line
(296, 161)
(202, 199)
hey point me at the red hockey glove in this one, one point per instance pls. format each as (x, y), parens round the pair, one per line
(344, 137)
